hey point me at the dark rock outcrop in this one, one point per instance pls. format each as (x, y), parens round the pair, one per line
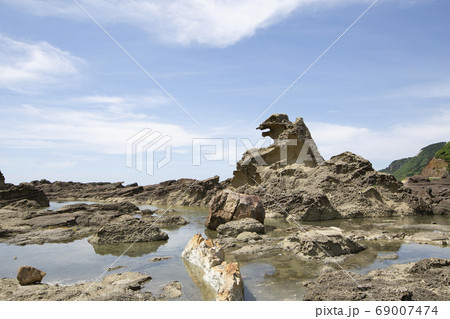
(13, 194)
(427, 279)
(228, 206)
(433, 192)
(181, 192)
(2, 181)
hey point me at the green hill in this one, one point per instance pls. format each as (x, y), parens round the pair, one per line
(410, 166)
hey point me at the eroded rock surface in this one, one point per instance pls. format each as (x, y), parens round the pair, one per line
(181, 192)
(11, 194)
(128, 230)
(427, 279)
(236, 227)
(81, 220)
(228, 206)
(122, 286)
(208, 258)
(304, 186)
(320, 243)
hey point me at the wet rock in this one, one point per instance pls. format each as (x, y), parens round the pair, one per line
(128, 230)
(387, 257)
(252, 251)
(228, 206)
(155, 259)
(29, 275)
(171, 291)
(208, 257)
(434, 238)
(236, 227)
(426, 279)
(118, 287)
(115, 268)
(319, 244)
(166, 221)
(247, 236)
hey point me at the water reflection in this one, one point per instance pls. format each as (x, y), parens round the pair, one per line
(127, 249)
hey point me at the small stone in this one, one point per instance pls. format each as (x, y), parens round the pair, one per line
(29, 275)
(159, 259)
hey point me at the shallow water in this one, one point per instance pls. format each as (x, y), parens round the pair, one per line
(274, 278)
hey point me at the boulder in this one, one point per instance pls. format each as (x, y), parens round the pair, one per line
(207, 256)
(127, 229)
(29, 275)
(229, 205)
(236, 227)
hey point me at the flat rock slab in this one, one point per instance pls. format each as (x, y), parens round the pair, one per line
(427, 280)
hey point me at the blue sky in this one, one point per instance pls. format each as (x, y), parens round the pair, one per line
(70, 97)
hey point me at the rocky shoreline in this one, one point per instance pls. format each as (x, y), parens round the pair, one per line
(264, 211)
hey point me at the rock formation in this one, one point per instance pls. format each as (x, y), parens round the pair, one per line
(29, 275)
(2, 181)
(424, 280)
(181, 192)
(208, 257)
(228, 206)
(434, 192)
(318, 244)
(11, 195)
(236, 227)
(302, 185)
(127, 229)
(437, 167)
(293, 144)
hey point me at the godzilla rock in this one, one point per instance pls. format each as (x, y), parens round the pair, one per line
(425, 280)
(29, 275)
(16, 193)
(236, 227)
(318, 244)
(128, 230)
(228, 206)
(207, 258)
(294, 180)
(292, 144)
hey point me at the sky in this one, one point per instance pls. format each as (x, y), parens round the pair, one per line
(81, 81)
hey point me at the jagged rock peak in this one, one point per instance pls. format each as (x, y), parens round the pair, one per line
(281, 128)
(293, 144)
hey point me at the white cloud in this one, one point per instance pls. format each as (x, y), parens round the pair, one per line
(381, 146)
(30, 67)
(216, 23)
(82, 128)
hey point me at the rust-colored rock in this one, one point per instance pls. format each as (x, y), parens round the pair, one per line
(29, 275)
(205, 259)
(437, 167)
(229, 205)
